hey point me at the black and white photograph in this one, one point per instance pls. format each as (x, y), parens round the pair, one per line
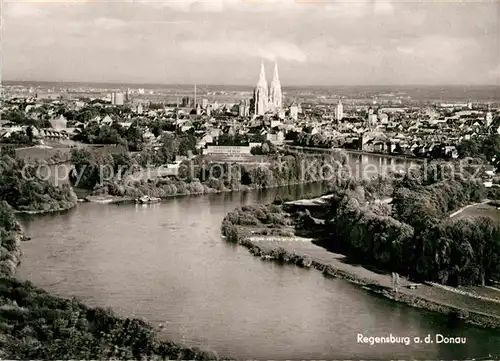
(250, 180)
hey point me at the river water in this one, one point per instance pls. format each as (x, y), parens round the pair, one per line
(168, 264)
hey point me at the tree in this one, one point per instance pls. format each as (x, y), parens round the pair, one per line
(187, 143)
(29, 133)
(169, 148)
(134, 137)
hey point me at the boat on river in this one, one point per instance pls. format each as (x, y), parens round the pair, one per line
(147, 200)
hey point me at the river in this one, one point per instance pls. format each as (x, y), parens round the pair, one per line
(168, 264)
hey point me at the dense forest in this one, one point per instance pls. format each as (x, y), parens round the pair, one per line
(23, 187)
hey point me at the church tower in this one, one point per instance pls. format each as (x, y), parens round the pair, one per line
(260, 95)
(275, 96)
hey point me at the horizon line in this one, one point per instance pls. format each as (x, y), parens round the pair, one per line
(241, 85)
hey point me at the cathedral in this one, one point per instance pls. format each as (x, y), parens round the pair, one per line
(267, 99)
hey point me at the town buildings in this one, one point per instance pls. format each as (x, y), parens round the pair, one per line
(398, 127)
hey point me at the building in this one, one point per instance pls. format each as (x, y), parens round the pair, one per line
(139, 109)
(244, 109)
(59, 123)
(372, 118)
(267, 99)
(260, 94)
(186, 102)
(339, 111)
(117, 98)
(294, 111)
(225, 149)
(489, 117)
(204, 103)
(275, 95)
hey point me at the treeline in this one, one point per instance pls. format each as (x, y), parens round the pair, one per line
(123, 175)
(24, 188)
(92, 110)
(421, 204)
(318, 140)
(445, 250)
(19, 117)
(487, 147)
(416, 237)
(19, 137)
(35, 325)
(171, 145)
(115, 133)
(365, 231)
(264, 219)
(10, 233)
(265, 148)
(240, 139)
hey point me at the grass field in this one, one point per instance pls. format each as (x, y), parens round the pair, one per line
(40, 153)
(481, 210)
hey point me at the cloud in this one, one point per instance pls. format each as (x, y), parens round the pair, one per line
(274, 50)
(22, 10)
(383, 7)
(242, 5)
(318, 41)
(282, 51)
(495, 74)
(345, 9)
(408, 50)
(109, 23)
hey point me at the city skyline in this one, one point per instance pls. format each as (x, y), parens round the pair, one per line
(223, 42)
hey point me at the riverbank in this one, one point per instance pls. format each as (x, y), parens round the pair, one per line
(55, 210)
(354, 151)
(112, 199)
(385, 155)
(304, 253)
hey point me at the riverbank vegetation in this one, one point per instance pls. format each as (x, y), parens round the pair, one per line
(353, 228)
(317, 140)
(412, 235)
(417, 238)
(24, 189)
(125, 176)
(298, 251)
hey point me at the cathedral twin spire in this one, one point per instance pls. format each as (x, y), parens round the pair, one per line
(262, 78)
(267, 99)
(275, 96)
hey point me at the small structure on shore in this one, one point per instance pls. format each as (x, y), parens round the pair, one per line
(147, 200)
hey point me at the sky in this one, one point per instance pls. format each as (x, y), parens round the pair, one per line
(315, 42)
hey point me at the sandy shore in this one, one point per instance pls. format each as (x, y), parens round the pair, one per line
(479, 311)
